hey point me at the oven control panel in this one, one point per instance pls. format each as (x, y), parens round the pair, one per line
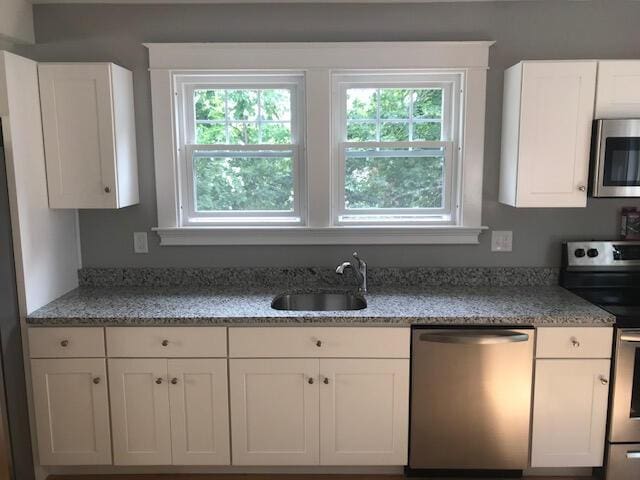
(602, 254)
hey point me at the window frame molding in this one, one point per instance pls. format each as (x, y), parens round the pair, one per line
(319, 62)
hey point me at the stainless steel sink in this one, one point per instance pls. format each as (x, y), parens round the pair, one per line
(323, 301)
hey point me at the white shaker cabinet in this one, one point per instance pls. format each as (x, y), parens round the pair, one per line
(546, 130)
(71, 411)
(89, 135)
(140, 411)
(364, 407)
(618, 92)
(274, 411)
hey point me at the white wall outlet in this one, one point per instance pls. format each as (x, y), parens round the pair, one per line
(501, 241)
(140, 242)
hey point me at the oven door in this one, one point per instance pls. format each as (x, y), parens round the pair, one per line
(625, 414)
(617, 162)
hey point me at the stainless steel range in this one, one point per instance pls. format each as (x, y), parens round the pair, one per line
(608, 274)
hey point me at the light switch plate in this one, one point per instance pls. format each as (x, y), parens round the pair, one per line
(501, 241)
(140, 242)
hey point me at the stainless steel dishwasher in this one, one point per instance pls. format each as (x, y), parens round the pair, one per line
(470, 398)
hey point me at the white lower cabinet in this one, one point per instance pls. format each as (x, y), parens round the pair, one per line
(364, 411)
(570, 412)
(169, 411)
(140, 411)
(319, 411)
(274, 411)
(72, 411)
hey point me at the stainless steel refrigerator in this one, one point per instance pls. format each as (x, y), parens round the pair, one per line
(16, 460)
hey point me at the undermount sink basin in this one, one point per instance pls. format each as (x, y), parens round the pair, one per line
(319, 301)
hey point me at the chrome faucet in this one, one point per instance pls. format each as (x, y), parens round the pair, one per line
(359, 271)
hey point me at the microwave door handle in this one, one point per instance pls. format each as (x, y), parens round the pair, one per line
(630, 337)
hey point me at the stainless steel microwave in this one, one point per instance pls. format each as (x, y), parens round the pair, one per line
(615, 166)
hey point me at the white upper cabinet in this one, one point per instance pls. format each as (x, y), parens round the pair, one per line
(618, 93)
(89, 135)
(546, 131)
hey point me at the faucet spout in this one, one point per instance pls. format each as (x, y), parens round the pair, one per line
(359, 268)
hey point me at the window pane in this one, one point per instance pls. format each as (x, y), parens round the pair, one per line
(236, 181)
(276, 133)
(243, 133)
(211, 133)
(242, 104)
(428, 103)
(209, 104)
(427, 131)
(362, 103)
(394, 132)
(275, 105)
(394, 178)
(394, 103)
(361, 131)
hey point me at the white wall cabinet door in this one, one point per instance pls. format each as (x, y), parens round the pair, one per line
(139, 392)
(618, 95)
(274, 411)
(547, 122)
(569, 413)
(72, 411)
(199, 411)
(364, 411)
(89, 135)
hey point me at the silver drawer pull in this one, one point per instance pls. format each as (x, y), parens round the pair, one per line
(633, 455)
(604, 380)
(96, 380)
(159, 380)
(174, 381)
(310, 381)
(165, 343)
(319, 343)
(575, 343)
(64, 343)
(325, 381)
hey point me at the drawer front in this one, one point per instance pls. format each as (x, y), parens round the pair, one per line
(65, 342)
(319, 342)
(166, 342)
(580, 342)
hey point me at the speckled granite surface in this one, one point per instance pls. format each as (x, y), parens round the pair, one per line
(314, 276)
(444, 305)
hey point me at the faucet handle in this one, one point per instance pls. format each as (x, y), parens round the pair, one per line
(360, 261)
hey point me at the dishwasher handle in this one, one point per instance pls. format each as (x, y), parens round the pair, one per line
(475, 337)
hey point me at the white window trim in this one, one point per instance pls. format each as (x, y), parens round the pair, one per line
(319, 61)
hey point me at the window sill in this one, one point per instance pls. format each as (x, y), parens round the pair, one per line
(369, 235)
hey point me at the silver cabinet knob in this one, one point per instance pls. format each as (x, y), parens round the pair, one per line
(582, 188)
(96, 380)
(604, 380)
(310, 381)
(319, 343)
(64, 343)
(325, 381)
(165, 343)
(159, 380)
(107, 189)
(174, 381)
(575, 343)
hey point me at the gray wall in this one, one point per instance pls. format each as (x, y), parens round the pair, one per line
(553, 29)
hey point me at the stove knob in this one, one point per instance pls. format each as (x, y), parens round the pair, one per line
(579, 252)
(592, 253)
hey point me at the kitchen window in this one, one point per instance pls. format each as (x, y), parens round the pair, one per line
(318, 143)
(395, 144)
(241, 147)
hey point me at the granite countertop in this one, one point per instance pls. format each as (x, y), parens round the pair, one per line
(445, 305)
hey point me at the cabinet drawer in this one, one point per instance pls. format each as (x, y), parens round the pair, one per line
(66, 342)
(580, 342)
(319, 342)
(167, 341)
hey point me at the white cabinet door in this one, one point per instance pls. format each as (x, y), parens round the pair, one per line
(364, 412)
(140, 419)
(89, 135)
(569, 413)
(72, 411)
(274, 411)
(199, 412)
(618, 95)
(547, 121)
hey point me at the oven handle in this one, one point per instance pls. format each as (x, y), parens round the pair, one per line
(633, 455)
(630, 337)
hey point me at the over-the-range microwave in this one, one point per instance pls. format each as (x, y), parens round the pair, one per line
(615, 162)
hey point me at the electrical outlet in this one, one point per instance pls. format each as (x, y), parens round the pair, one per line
(140, 242)
(501, 241)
